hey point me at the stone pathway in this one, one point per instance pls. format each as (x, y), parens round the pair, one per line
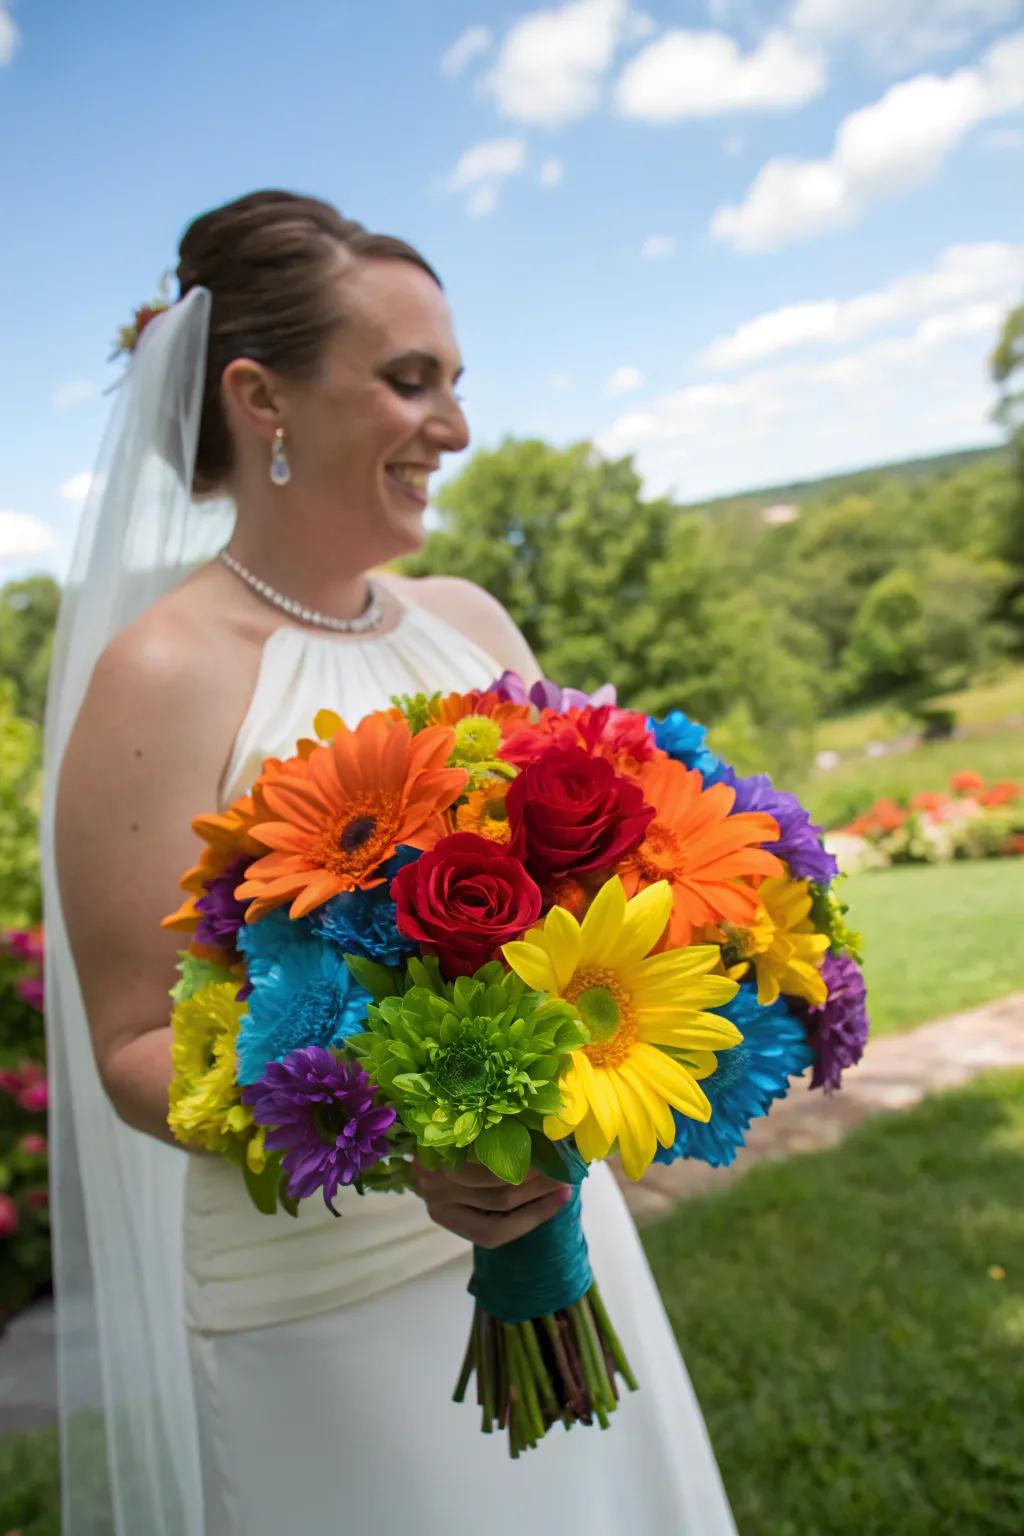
(895, 1073)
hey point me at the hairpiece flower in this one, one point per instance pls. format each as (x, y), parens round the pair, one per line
(128, 336)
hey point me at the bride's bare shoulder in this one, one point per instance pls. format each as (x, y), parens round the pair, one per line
(475, 613)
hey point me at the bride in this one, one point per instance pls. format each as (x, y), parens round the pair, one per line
(224, 1372)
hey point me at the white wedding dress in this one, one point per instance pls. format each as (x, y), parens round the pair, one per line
(324, 1351)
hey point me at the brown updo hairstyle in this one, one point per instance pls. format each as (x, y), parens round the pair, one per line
(269, 260)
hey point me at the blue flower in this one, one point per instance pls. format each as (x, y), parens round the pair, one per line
(303, 994)
(683, 739)
(746, 1080)
(363, 922)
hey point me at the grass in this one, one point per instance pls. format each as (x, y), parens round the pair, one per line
(953, 928)
(859, 1370)
(987, 706)
(29, 1498)
(836, 796)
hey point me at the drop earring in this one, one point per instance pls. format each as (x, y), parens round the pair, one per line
(280, 469)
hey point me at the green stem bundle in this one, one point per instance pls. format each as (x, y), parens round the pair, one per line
(531, 1375)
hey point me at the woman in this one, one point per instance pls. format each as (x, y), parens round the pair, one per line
(308, 373)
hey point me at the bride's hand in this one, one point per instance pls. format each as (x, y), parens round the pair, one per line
(475, 1204)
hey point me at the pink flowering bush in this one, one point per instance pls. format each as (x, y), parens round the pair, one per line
(974, 820)
(24, 1198)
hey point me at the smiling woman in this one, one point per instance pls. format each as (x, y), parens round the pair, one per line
(308, 374)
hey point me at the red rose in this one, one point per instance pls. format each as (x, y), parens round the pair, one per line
(575, 813)
(464, 898)
(9, 1220)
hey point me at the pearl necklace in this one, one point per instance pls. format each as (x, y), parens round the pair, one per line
(370, 618)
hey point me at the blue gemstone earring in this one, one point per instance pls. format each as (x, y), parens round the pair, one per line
(280, 469)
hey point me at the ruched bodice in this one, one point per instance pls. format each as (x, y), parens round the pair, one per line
(242, 1269)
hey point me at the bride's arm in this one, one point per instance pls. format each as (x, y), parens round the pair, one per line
(143, 759)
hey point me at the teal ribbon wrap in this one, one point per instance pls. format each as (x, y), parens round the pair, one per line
(543, 1272)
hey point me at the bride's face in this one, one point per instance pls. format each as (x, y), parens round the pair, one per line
(364, 438)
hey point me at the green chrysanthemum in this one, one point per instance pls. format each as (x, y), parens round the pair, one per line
(195, 973)
(476, 747)
(473, 1062)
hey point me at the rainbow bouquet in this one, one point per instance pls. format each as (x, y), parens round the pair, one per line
(527, 929)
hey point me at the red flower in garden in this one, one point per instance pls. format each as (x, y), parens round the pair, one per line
(463, 899)
(1002, 793)
(928, 800)
(966, 783)
(574, 813)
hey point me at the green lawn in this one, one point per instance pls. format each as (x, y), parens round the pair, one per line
(836, 796)
(29, 1500)
(992, 706)
(860, 1371)
(953, 928)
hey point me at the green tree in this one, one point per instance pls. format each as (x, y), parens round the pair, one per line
(1008, 372)
(28, 618)
(20, 805)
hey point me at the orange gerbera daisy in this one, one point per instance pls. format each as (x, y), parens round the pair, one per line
(345, 811)
(705, 854)
(227, 835)
(484, 811)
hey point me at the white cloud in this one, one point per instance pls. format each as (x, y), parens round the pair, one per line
(897, 33)
(624, 380)
(894, 144)
(656, 247)
(9, 35)
(23, 535)
(552, 62)
(78, 487)
(891, 399)
(704, 74)
(466, 47)
(960, 276)
(74, 392)
(552, 173)
(481, 170)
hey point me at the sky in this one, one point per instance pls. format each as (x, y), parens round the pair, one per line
(745, 241)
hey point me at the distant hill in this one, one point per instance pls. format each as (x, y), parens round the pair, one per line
(802, 491)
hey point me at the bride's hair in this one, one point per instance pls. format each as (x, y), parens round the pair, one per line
(268, 260)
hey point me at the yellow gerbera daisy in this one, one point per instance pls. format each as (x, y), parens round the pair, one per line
(782, 944)
(651, 1038)
(205, 1107)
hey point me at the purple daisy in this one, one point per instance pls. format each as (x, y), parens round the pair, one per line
(223, 915)
(548, 695)
(799, 839)
(837, 1031)
(323, 1116)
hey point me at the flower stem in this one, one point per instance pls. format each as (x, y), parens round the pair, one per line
(608, 1332)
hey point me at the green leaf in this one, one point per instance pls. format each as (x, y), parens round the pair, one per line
(287, 1203)
(262, 1187)
(378, 980)
(547, 1159)
(505, 1149)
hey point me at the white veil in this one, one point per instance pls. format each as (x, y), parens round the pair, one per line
(128, 1437)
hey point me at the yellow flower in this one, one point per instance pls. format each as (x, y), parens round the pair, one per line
(651, 1038)
(782, 945)
(205, 1107)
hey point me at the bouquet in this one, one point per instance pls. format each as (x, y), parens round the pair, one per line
(527, 929)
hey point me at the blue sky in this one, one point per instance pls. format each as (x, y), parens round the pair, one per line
(746, 242)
